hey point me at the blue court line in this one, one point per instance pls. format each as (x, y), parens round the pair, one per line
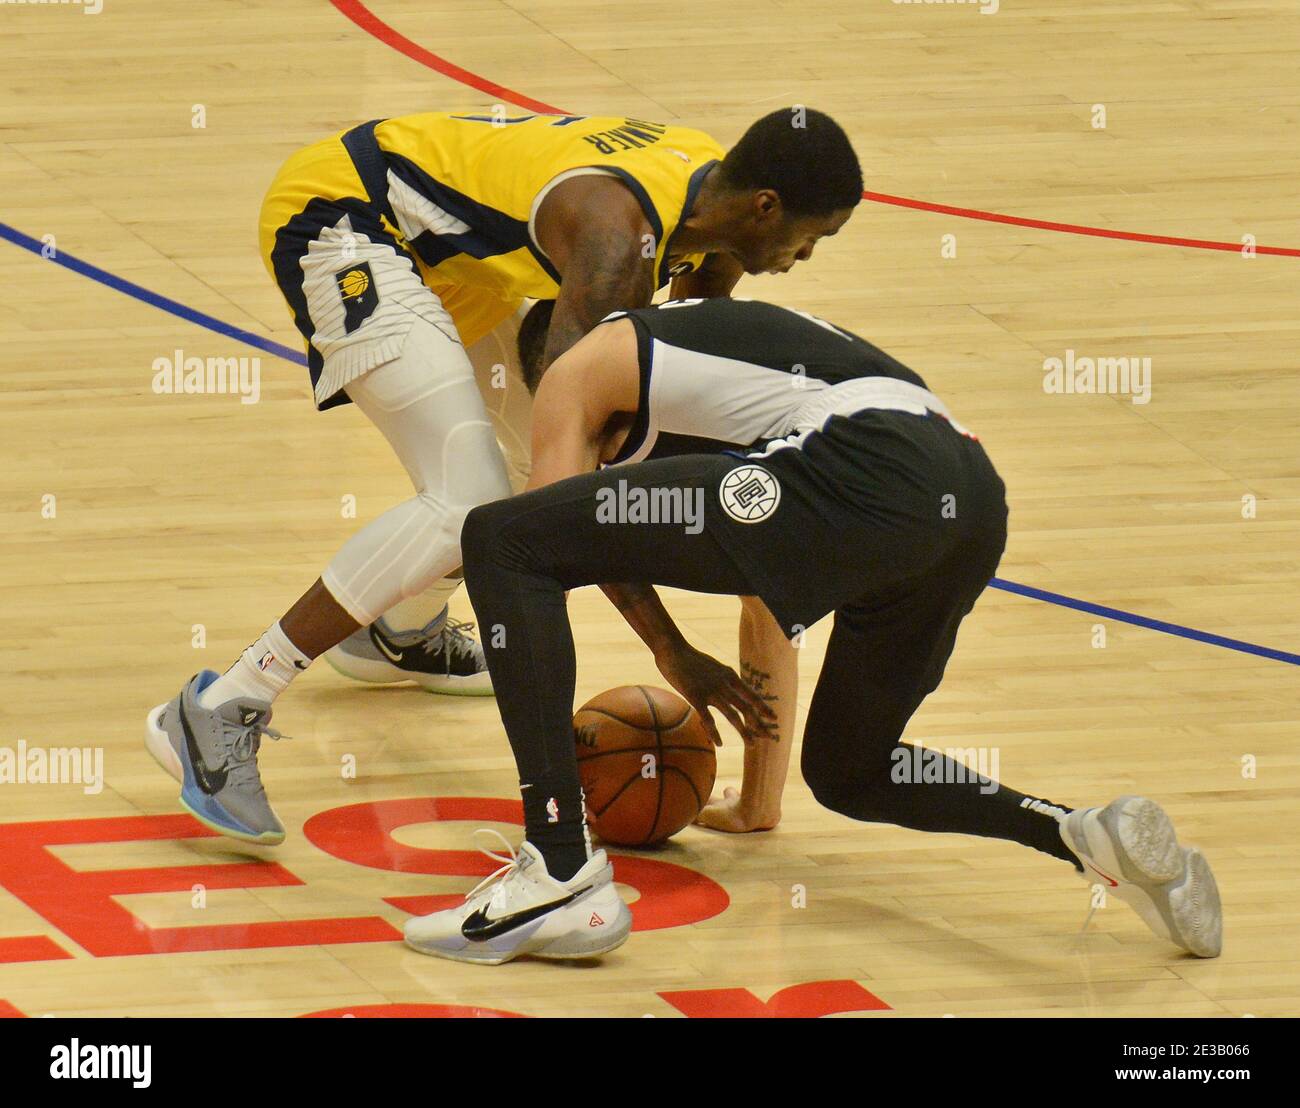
(1145, 621)
(130, 288)
(190, 315)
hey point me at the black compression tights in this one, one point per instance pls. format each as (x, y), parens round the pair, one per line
(520, 556)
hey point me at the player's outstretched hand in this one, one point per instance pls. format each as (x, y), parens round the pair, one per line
(730, 813)
(707, 683)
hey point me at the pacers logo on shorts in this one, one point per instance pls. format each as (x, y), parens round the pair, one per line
(749, 494)
(357, 288)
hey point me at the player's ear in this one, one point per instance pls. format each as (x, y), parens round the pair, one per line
(767, 206)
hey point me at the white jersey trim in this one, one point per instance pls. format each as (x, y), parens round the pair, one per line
(733, 401)
(581, 171)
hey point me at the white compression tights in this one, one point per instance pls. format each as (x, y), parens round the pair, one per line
(430, 408)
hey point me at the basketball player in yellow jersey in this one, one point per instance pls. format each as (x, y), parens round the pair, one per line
(405, 249)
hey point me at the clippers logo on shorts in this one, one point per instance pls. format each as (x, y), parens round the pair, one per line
(360, 298)
(749, 494)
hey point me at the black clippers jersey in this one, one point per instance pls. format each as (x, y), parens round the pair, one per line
(734, 375)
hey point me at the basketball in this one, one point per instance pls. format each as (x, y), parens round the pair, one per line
(646, 763)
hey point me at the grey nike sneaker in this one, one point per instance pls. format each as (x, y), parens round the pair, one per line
(444, 659)
(1130, 844)
(213, 754)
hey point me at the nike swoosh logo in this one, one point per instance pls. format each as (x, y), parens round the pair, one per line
(1110, 880)
(478, 928)
(384, 648)
(210, 781)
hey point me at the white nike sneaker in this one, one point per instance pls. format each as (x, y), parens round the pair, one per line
(522, 909)
(1131, 845)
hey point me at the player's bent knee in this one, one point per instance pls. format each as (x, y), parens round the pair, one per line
(855, 795)
(478, 534)
(829, 792)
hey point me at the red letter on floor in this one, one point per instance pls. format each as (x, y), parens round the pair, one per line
(815, 998)
(81, 903)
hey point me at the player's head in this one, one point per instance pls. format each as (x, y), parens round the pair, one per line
(532, 342)
(791, 179)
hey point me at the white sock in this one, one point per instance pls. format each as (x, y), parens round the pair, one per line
(417, 612)
(262, 672)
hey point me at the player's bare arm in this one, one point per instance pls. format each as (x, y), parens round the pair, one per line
(583, 404)
(595, 233)
(769, 665)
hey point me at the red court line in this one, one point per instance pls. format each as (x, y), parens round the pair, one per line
(364, 18)
(1073, 228)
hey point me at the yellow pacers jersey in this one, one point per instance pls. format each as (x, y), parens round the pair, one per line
(460, 191)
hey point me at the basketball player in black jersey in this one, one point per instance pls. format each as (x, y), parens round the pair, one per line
(778, 457)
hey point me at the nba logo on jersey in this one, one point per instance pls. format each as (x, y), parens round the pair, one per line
(360, 298)
(749, 494)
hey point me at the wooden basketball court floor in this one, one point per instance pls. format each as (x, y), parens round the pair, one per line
(137, 525)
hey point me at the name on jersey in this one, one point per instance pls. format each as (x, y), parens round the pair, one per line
(632, 135)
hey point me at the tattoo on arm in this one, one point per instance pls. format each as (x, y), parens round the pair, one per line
(599, 279)
(759, 681)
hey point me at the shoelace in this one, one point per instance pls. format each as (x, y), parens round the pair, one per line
(455, 635)
(510, 862)
(242, 749)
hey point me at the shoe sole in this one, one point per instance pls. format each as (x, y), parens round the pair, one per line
(1197, 909)
(563, 948)
(553, 952)
(559, 952)
(382, 673)
(159, 745)
(458, 686)
(266, 838)
(1145, 852)
(1150, 845)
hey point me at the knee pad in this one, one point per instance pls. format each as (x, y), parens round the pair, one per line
(437, 553)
